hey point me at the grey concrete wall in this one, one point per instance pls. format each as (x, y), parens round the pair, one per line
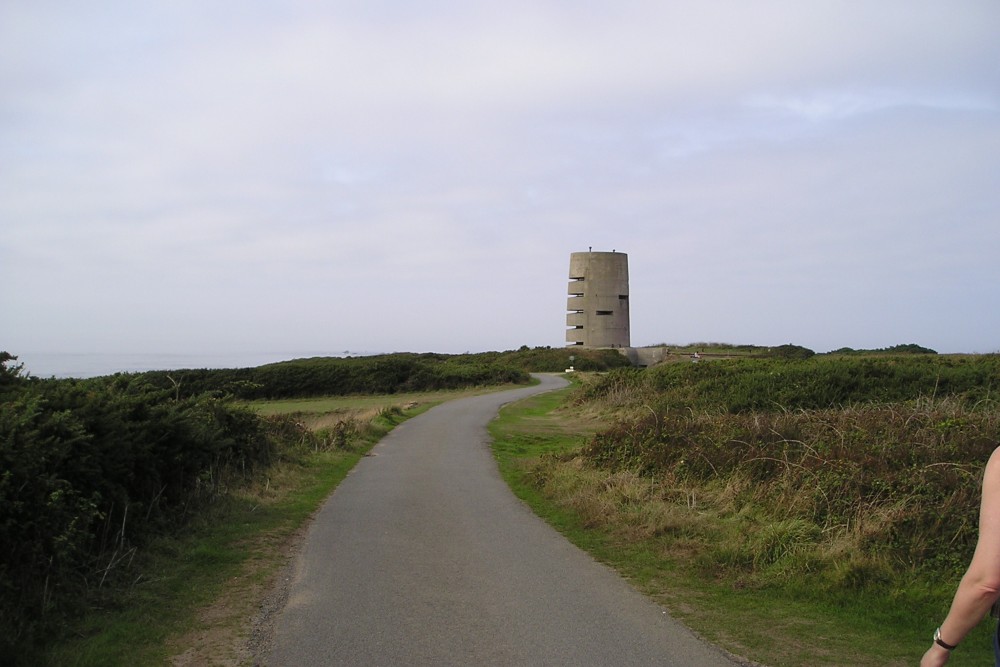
(598, 301)
(646, 356)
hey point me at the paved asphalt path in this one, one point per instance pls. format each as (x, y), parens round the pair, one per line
(423, 556)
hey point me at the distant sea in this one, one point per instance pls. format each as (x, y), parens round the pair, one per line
(86, 365)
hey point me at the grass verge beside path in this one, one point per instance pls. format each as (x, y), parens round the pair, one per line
(199, 591)
(779, 626)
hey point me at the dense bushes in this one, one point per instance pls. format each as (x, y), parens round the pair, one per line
(329, 376)
(899, 478)
(820, 382)
(382, 374)
(878, 458)
(92, 469)
(551, 359)
(908, 348)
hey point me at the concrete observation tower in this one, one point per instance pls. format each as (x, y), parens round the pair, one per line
(598, 300)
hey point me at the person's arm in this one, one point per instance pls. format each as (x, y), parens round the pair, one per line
(980, 587)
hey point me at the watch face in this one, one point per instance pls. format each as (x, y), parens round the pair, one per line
(940, 642)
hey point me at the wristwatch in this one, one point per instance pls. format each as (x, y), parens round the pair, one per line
(942, 643)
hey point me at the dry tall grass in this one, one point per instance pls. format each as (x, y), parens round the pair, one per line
(848, 494)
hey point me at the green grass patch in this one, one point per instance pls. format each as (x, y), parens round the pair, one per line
(332, 404)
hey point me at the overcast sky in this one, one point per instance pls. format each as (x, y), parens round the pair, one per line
(380, 175)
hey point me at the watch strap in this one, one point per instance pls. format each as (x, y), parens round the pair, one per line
(942, 643)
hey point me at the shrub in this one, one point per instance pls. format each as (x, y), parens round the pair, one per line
(877, 459)
(92, 469)
(332, 376)
(741, 385)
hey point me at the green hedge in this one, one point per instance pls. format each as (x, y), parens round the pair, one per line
(890, 449)
(91, 470)
(382, 374)
(742, 385)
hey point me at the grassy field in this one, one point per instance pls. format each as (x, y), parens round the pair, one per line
(686, 545)
(662, 537)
